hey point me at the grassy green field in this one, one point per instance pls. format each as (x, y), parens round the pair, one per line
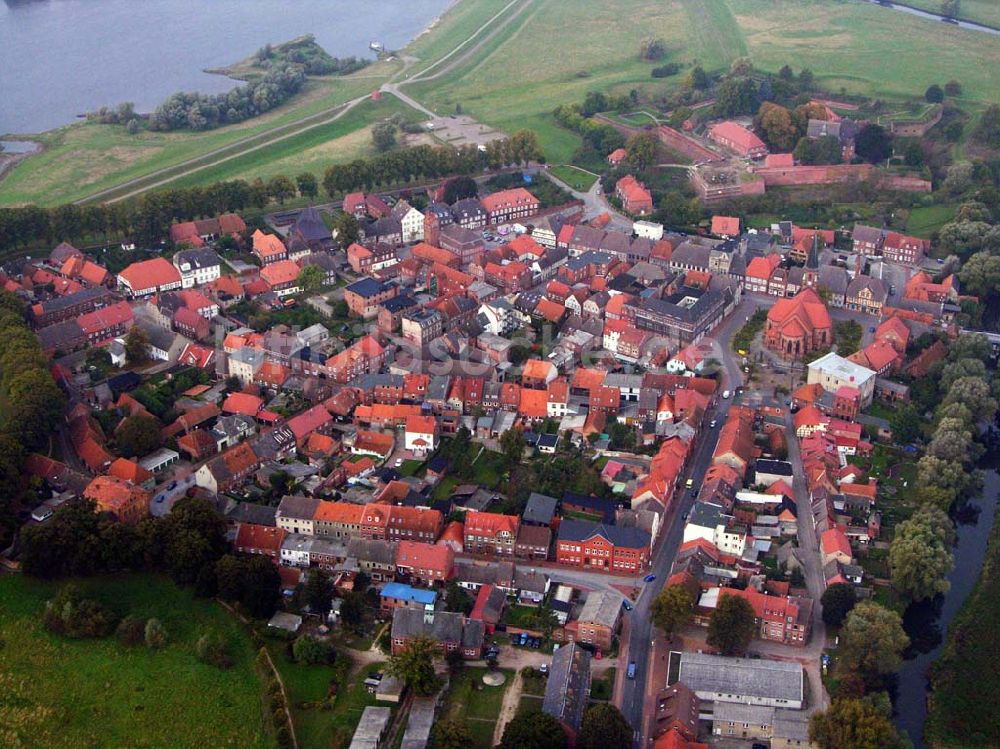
(576, 178)
(477, 703)
(925, 220)
(94, 693)
(320, 724)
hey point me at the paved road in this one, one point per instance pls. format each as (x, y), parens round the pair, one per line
(595, 203)
(632, 699)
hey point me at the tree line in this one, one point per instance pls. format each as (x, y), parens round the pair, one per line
(146, 219)
(33, 405)
(195, 111)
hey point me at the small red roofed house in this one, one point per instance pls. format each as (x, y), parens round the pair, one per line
(835, 546)
(759, 271)
(129, 470)
(127, 502)
(281, 277)
(879, 356)
(268, 248)
(635, 198)
(725, 226)
(798, 326)
(426, 563)
(244, 404)
(265, 540)
(899, 248)
(738, 139)
(617, 156)
(537, 374)
(534, 404)
(922, 288)
(895, 332)
(421, 435)
(315, 419)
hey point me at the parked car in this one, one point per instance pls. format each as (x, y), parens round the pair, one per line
(726, 394)
(649, 578)
(712, 424)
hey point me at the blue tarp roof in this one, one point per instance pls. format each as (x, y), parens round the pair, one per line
(403, 592)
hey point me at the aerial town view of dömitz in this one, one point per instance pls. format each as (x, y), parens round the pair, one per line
(500, 374)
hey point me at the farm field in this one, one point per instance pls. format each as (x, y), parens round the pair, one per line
(74, 693)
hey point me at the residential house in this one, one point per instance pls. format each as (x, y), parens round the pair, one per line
(738, 139)
(268, 248)
(598, 621)
(149, 277)
(491, 533)
(198, 266)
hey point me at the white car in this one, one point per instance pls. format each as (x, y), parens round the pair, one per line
(712, 424)
(398, 463)
(726, 393)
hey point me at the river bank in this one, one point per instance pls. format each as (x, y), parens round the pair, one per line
(927, 622)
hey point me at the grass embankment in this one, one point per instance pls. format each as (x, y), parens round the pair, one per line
(58, 692)
(965, 702)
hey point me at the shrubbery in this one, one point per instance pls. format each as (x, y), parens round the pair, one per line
(313, 651)
(71, 615)
(213, 649)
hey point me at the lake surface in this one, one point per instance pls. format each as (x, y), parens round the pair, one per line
(927, 623)
(61, 58)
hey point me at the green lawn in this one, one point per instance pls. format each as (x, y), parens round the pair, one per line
(576, 178)
(94, 693)
(925, 220)
(410, 467)
(477, 703)
(318, 724)
(488, 469)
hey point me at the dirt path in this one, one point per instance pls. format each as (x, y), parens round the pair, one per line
(508, 708)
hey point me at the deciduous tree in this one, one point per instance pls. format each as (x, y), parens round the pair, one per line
(138, 435)
(604, 727)
(451, 732)
(920, 555)
(872, 641)
(853, 724)
(533, 730)
(838, 600)
(414, 666)
(731, 626)
(671, 609)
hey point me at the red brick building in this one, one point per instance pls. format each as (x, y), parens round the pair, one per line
(425, 562)
(491, 533)
(784, 619)
(738, 139)
(611, 548)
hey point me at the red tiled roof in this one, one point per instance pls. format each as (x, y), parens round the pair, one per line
(833, 540)
(489, 524)
(421, 424)
(437, 557)
(259, 538)
(266, 245)
(281, 273)
(105, 318)
(517, 196)
(129, 470)
(737, 134)
(149, 274)
(242, 403)
(725, 226)
(533, 404)
(307, 422)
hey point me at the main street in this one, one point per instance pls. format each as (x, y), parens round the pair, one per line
(632, 692)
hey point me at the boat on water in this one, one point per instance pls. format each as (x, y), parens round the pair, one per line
(376, 46)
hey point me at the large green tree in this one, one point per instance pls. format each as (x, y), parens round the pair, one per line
(672, 609)
(451, 732)
(731, 626)
(920, 555)
(838, 600)
(853, 724)
(872, 641)
(414, 666)
(604, 727)
(138, 435)
(533, 730)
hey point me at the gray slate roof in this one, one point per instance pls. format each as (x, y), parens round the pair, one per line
(568, 688)
(742, 677)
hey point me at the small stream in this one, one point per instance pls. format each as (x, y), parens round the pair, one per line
(927, 623)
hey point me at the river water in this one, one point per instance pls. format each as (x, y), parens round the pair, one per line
(927, 623)
(61, 58)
